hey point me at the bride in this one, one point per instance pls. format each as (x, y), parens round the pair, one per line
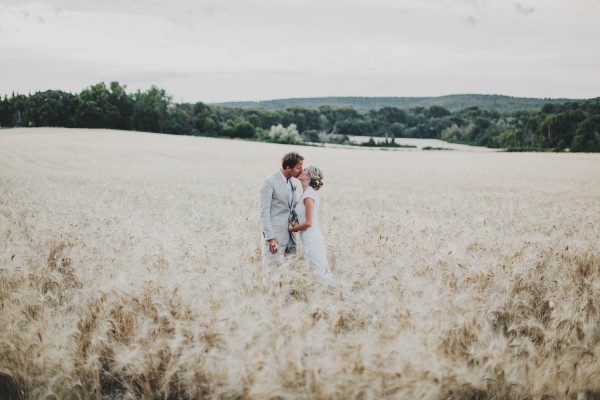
(307, 210)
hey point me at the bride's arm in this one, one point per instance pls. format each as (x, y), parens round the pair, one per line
(308, 205)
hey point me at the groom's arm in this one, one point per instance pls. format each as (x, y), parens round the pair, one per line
(266, 196)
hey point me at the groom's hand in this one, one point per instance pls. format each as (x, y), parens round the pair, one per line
(273, 245)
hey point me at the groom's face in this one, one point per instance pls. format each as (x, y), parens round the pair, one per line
(288, 172)
(297, 170)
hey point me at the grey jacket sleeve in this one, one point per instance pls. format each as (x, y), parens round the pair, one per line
(266, 196)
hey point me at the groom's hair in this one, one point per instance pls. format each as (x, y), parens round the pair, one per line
(291, 159)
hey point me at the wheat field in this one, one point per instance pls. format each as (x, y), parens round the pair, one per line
(130, 268)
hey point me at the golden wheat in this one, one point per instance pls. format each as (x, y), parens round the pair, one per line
(131, 268)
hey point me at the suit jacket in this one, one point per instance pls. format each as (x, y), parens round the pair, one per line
(275, 209)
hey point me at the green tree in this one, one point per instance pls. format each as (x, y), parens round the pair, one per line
(452, 134)
(298, 116)
(178, 120)
(51, 108)
(587, 135)
(390, 115)
(204, 119)
(95, 109)
(150, 110)
(5, 112)
(123, 102)
(268, 118)
(344, 113)
(558, 130)
(507, 139)
(327, 112)
(19, 108)
(254, 120)
(311, 135)
(437, 112)
(354, 126)
(397, 129)
(324, 124)
(243, 130)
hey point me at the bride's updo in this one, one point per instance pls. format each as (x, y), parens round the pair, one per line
(316, 177)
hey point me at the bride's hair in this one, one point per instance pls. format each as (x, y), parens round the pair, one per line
(316, 177)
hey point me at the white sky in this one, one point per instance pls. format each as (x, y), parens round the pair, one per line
(227, 50)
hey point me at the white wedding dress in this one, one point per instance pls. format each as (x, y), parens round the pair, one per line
(312, 239)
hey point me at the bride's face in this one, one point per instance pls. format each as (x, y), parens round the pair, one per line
(304, 178)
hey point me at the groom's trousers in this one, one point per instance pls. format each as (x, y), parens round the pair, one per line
(269, 258)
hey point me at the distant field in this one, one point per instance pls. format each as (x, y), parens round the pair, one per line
(130, 268)
(420, 143)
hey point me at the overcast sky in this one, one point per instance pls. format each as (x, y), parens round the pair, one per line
(227, 50)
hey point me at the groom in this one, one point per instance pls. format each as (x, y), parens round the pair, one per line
(277, 201)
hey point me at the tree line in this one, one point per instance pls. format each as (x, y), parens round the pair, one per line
(570, 126)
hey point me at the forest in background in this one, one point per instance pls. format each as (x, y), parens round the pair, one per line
(556, 126)
(453, 102)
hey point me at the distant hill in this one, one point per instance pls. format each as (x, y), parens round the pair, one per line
(363, 104)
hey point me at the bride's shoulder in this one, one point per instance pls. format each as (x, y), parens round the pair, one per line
(310, 193)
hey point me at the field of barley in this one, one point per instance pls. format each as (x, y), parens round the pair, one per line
(130, 268)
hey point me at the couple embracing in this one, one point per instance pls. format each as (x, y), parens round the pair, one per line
(281, 215)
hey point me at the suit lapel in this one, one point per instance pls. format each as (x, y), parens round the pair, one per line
(282, 189)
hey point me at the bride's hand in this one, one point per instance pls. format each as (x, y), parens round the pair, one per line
(292, 225)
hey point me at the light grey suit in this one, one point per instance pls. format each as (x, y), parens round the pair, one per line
(276, 205)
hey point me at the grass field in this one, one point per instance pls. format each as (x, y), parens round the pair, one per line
(130, 268)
